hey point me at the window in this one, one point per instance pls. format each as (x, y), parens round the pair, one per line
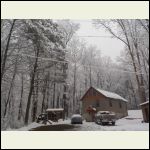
(97, 103)
(120, 105)
(126, 107)
(110, 103)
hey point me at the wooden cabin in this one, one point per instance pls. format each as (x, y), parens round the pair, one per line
(95, 100)
(145, 111)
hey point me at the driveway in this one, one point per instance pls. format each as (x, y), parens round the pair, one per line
(57, 127)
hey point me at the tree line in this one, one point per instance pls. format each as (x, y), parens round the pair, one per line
(45, 65)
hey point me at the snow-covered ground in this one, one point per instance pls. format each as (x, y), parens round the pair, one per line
(26, 128)
(133, 122)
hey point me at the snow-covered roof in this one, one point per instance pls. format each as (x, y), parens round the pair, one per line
(111, 95)
(54, 109)
(144, 103)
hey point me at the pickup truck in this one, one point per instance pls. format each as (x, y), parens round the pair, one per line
(105, 117)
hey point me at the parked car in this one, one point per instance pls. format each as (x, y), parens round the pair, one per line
(105, 117)
(76, 119)
(42, 117)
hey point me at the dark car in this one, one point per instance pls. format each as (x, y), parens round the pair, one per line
(76, 119)
(42, 117)
(105, 117)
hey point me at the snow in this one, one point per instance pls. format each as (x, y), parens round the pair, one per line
(28, 127)
(76, 115)
(94, 109)
(135, 114)
(133, 122)
(55, 109)
(111, 95)
(103, 112)
(144, 103)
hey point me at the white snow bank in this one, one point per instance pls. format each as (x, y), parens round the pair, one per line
(135, 114)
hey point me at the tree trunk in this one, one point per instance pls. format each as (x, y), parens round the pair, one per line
(128, 44)
(90, 76)
(35, 101)
(74, 88)
(47, 103)
(31, 88)
(11, 86)
(21, 98)
(132, 88)
(44, 95)
(6, 50)
(54, 88)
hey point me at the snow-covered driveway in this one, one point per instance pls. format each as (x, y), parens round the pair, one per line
(133, 122)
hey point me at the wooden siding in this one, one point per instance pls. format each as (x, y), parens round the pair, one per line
(92, 97)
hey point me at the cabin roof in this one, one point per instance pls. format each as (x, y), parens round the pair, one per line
(111, 95)
(107, 94)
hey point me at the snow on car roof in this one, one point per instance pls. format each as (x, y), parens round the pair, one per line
(144, 103)
(103, 111)
(54, 109)
(111, 95)
(76, 115)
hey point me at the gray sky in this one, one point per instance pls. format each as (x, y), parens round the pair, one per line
(108, 46)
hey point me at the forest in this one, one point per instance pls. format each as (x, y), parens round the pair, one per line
(44, 64)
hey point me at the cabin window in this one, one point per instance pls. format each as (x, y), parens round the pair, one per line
(93, 104)
(120, 105)
(97, 103)
(126, 106)
(110, 103)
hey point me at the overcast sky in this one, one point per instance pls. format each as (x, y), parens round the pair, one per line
(108, 46)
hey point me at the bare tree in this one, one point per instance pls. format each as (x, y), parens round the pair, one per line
(129, 40)
(6, 49)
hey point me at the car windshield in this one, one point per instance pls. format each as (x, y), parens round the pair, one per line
(104, 112)
(42, 115)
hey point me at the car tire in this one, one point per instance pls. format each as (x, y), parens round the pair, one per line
(103, 123)
(113, 123)
(98, 122)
